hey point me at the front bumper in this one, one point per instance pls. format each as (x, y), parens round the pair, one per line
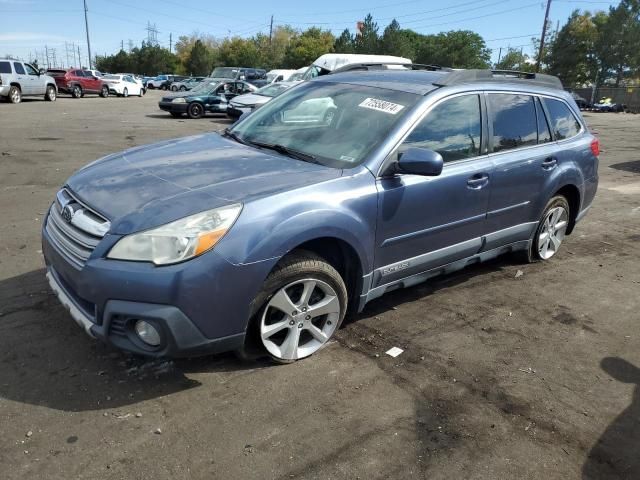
(173, 107)
(201, 306)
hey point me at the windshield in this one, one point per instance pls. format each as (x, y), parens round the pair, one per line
(272, 90)
(204, 87)
(337, 124)
(224, 72)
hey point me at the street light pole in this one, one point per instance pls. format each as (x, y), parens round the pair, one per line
(86, 24)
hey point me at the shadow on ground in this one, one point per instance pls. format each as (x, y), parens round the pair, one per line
(616, 454)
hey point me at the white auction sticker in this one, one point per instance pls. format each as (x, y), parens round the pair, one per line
(381, 105)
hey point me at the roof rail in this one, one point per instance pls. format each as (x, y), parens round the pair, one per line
(384, 66)
(471, 76)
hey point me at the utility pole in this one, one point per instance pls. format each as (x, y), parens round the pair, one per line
(170, 42)
(271, 30)
(46, 51)
(499, 55)
(86, 24)
(73, 49)
(544, 33)
(121, 44)
(79, 58)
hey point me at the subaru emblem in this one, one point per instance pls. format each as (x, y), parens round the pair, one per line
(67, 213)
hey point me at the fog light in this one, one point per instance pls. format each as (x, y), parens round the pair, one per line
(148, 333)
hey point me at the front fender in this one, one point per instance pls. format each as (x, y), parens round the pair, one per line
(344, 208)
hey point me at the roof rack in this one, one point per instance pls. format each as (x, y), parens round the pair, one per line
(471, 76)
(384, 66)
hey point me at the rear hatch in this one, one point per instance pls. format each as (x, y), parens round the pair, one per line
(58, 76)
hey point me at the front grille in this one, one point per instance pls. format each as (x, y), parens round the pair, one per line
(74, 228)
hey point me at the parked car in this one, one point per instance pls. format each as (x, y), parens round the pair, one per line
(248, 102)
(19, 79)
(274, 76)
(156, 82)
(299, 75)
(330, 62)
(124, 85)
(261, 238)
(210, 96)
(240, 73)
(166, 85)
(95, 73)
(78, 82)
(580, 101)
(606, 104)
(187, 84)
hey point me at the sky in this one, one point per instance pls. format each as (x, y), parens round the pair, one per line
(27, 27)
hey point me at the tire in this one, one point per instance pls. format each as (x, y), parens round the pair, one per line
(175, 114)
(195, 110)
(104, 91)
(551, 230)
(141, 92)
(174, 88)
(50, 95)
(304, 282)
(183, 88)
(125, 92)
(163, 87)
(76, 92)
(15, 94)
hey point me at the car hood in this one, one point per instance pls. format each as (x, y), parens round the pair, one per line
(155, 184)
(251, 99)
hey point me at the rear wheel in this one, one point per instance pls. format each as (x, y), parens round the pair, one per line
(15, 94)
(183, 88)
(174, 88)
(302, 303)
(50, 95)
(141, 92)
(195, 110)
(76, 92)
(551, 230)
(104, 91)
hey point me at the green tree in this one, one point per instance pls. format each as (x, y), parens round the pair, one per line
(308, 46)
(344, 43)
(200, 60)
(514, 59)
(367, 40)
(238, 52)
(394, 41)
(457, 49)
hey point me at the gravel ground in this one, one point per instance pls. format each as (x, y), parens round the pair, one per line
(502, 376)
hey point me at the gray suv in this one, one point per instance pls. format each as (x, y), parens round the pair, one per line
(18, 79)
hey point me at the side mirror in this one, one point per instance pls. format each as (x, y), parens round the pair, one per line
(420, 161)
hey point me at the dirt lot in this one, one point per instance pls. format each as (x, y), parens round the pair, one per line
(535, 376)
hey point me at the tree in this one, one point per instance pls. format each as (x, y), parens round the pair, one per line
(514, 59)
(394, 41)
(308, 46)
(344, 43)
(200, 60)
(457, 49)
(238, 52)
(367, 40)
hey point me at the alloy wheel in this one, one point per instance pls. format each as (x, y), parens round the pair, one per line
(552, 233)
(299, 319)
(15, 96)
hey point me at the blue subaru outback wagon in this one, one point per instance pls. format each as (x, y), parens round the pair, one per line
(262, 238)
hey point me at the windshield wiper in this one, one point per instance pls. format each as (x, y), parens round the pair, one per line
(229, 134)
(290, 152)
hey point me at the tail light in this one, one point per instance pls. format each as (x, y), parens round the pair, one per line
(595, 146)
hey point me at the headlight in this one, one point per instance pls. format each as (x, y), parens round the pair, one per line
(177, 241)
(178, 100)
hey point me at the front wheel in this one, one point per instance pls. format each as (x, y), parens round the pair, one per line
(104, 91)
(50, 95)
(195, 110)
(125, 92)
(302, 303)
(551, 230)
(141, 92)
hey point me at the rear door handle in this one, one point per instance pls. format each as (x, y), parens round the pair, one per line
(550, 163)
(478, 181)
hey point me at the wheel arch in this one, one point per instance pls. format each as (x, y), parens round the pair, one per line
(572, 193)
(15, 84)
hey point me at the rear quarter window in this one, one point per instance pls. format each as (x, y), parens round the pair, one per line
(5, 67)
(563, 122)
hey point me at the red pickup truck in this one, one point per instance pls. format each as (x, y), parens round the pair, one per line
(78, 82)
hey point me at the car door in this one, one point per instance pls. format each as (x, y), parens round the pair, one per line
(92, 83)
(23, 78)
(522, 150)
(78, 79)
(427, 222)
(38, 85)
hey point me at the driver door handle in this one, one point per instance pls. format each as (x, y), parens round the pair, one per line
(478, 181)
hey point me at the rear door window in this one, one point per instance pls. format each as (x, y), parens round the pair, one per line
(514, 121)
(563, 121)
(78, 73)
(452, 128)
(5, 67)
(544, 134)
(19, 68)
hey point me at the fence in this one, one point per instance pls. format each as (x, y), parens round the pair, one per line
(629, 96)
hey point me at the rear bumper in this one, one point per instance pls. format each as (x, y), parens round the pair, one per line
(4, 90)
